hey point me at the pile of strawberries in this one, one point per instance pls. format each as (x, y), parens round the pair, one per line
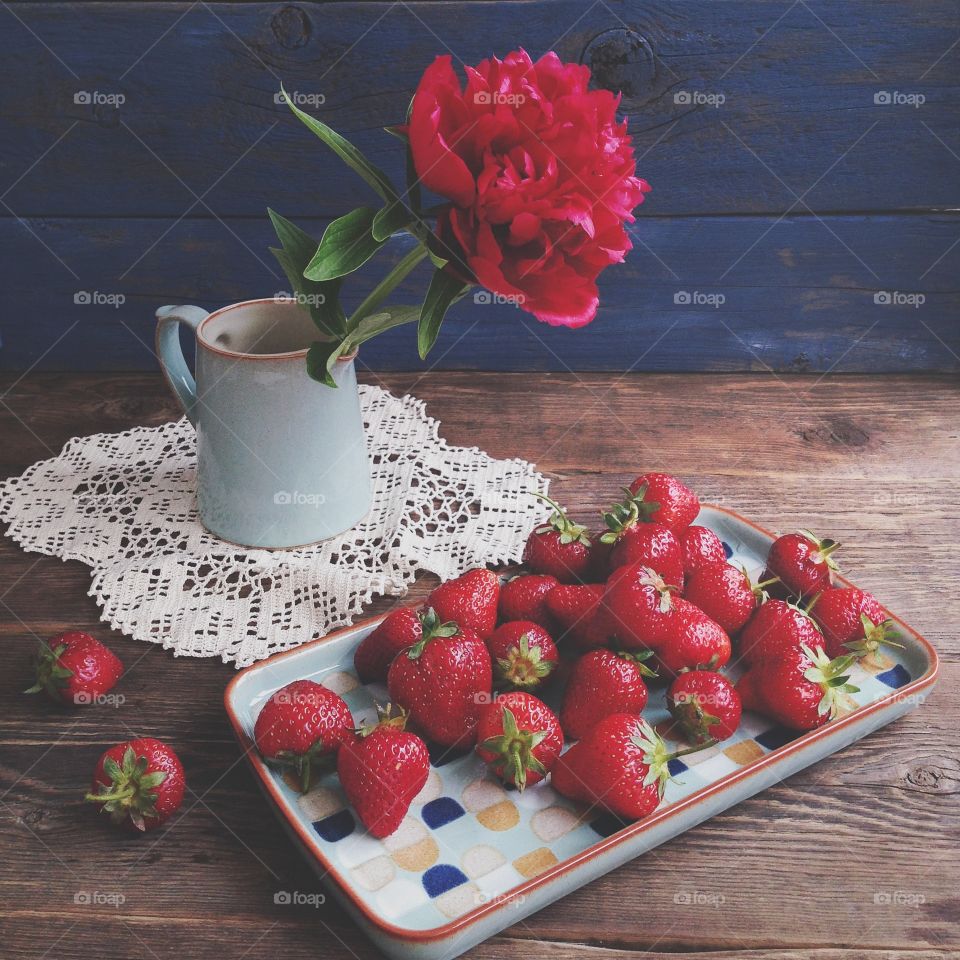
(652, 598)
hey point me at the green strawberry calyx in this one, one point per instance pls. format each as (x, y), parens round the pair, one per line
(830, 675)
(131, 793)
(824, 549)
(650, 578)
(524, 666)
(513, 751)
(687, 710)
(633, 509)
(432, 628)
(52, 675)
(657, 755)
(875, 635)
(389, 717)
(759, 590)
(569, 531)
(639, 658)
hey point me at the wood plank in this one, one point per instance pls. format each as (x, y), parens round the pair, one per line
(799, 84)
(798, 296)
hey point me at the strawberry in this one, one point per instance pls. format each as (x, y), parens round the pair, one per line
(700, 545)
(559, 548)
(694, 641)
(633, 541)
(602, 682)
(803, 563)
(398, 630)
(470, 601)
(519, 737)
(75, 668)
(705, 704)
(620, 766)
(382, 767)
(666, 500)
(301, 724)
(800, 689)
(525, 598)
(442, 680)
(524, 654)
(637, 608)
(774, 627)
(724, 593)
(572, 608)
(139, 783)
(852, 621)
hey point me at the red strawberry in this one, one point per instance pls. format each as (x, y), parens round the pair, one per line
(799, 690)
(519, 737)
(398, 630)
(705, 705)
(559, 548)
(666, 500)
(300, 724)
(525, 598)
(724, 593)
(573, 608)
(694, 642)
(524, 654)
(470, 601)
(139, 783)
(774, 627)
(602, 682)
(442, 680)
(637, 608)
(75, 668)
(852, 621)
(803, 563)
(620, 766)
(634, 541)
(382, 767)
(700, 545)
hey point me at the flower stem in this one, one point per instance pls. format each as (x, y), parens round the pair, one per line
(382, 289)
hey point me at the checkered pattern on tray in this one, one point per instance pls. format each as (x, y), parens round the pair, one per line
(468, 840)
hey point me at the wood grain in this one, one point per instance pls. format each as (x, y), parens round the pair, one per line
(800, 872)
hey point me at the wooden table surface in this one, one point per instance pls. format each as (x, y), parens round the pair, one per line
(801, 871)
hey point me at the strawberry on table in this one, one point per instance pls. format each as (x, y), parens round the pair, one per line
(138, 783)
(524, 654)
(470, 601)
(75, 668)
(664, 499)
(801, 689)
(602, 682)
(442, 681)
(301, 724)
(525, 598)
(382, 767)
(694, 641)
(573, 607)
(725, 593)
(559, 548)
(777, 626)
(519, 738)
(802, 562)
(635, 541)
(620, 766)
(700, 545)
(398, 630)
(705, 705)
(637, 608)
(852, 621)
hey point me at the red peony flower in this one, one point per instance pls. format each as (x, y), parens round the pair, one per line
(539, 174)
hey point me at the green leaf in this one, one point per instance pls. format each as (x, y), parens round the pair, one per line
(347, 152)
(321, 358)
(444, 289)
(380, 292)
(393, 217)
(383, 320)
(346, 245)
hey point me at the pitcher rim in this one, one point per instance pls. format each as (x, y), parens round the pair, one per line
(239, 355)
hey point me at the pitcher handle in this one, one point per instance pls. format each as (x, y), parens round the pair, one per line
(170, 352)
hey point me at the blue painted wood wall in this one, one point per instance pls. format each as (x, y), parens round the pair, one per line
(805, 158)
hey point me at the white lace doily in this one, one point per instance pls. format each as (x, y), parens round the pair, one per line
(124, 504)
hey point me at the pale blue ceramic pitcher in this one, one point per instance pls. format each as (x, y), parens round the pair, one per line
(281, 458)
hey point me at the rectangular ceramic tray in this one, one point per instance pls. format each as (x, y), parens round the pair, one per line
(472, 858)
